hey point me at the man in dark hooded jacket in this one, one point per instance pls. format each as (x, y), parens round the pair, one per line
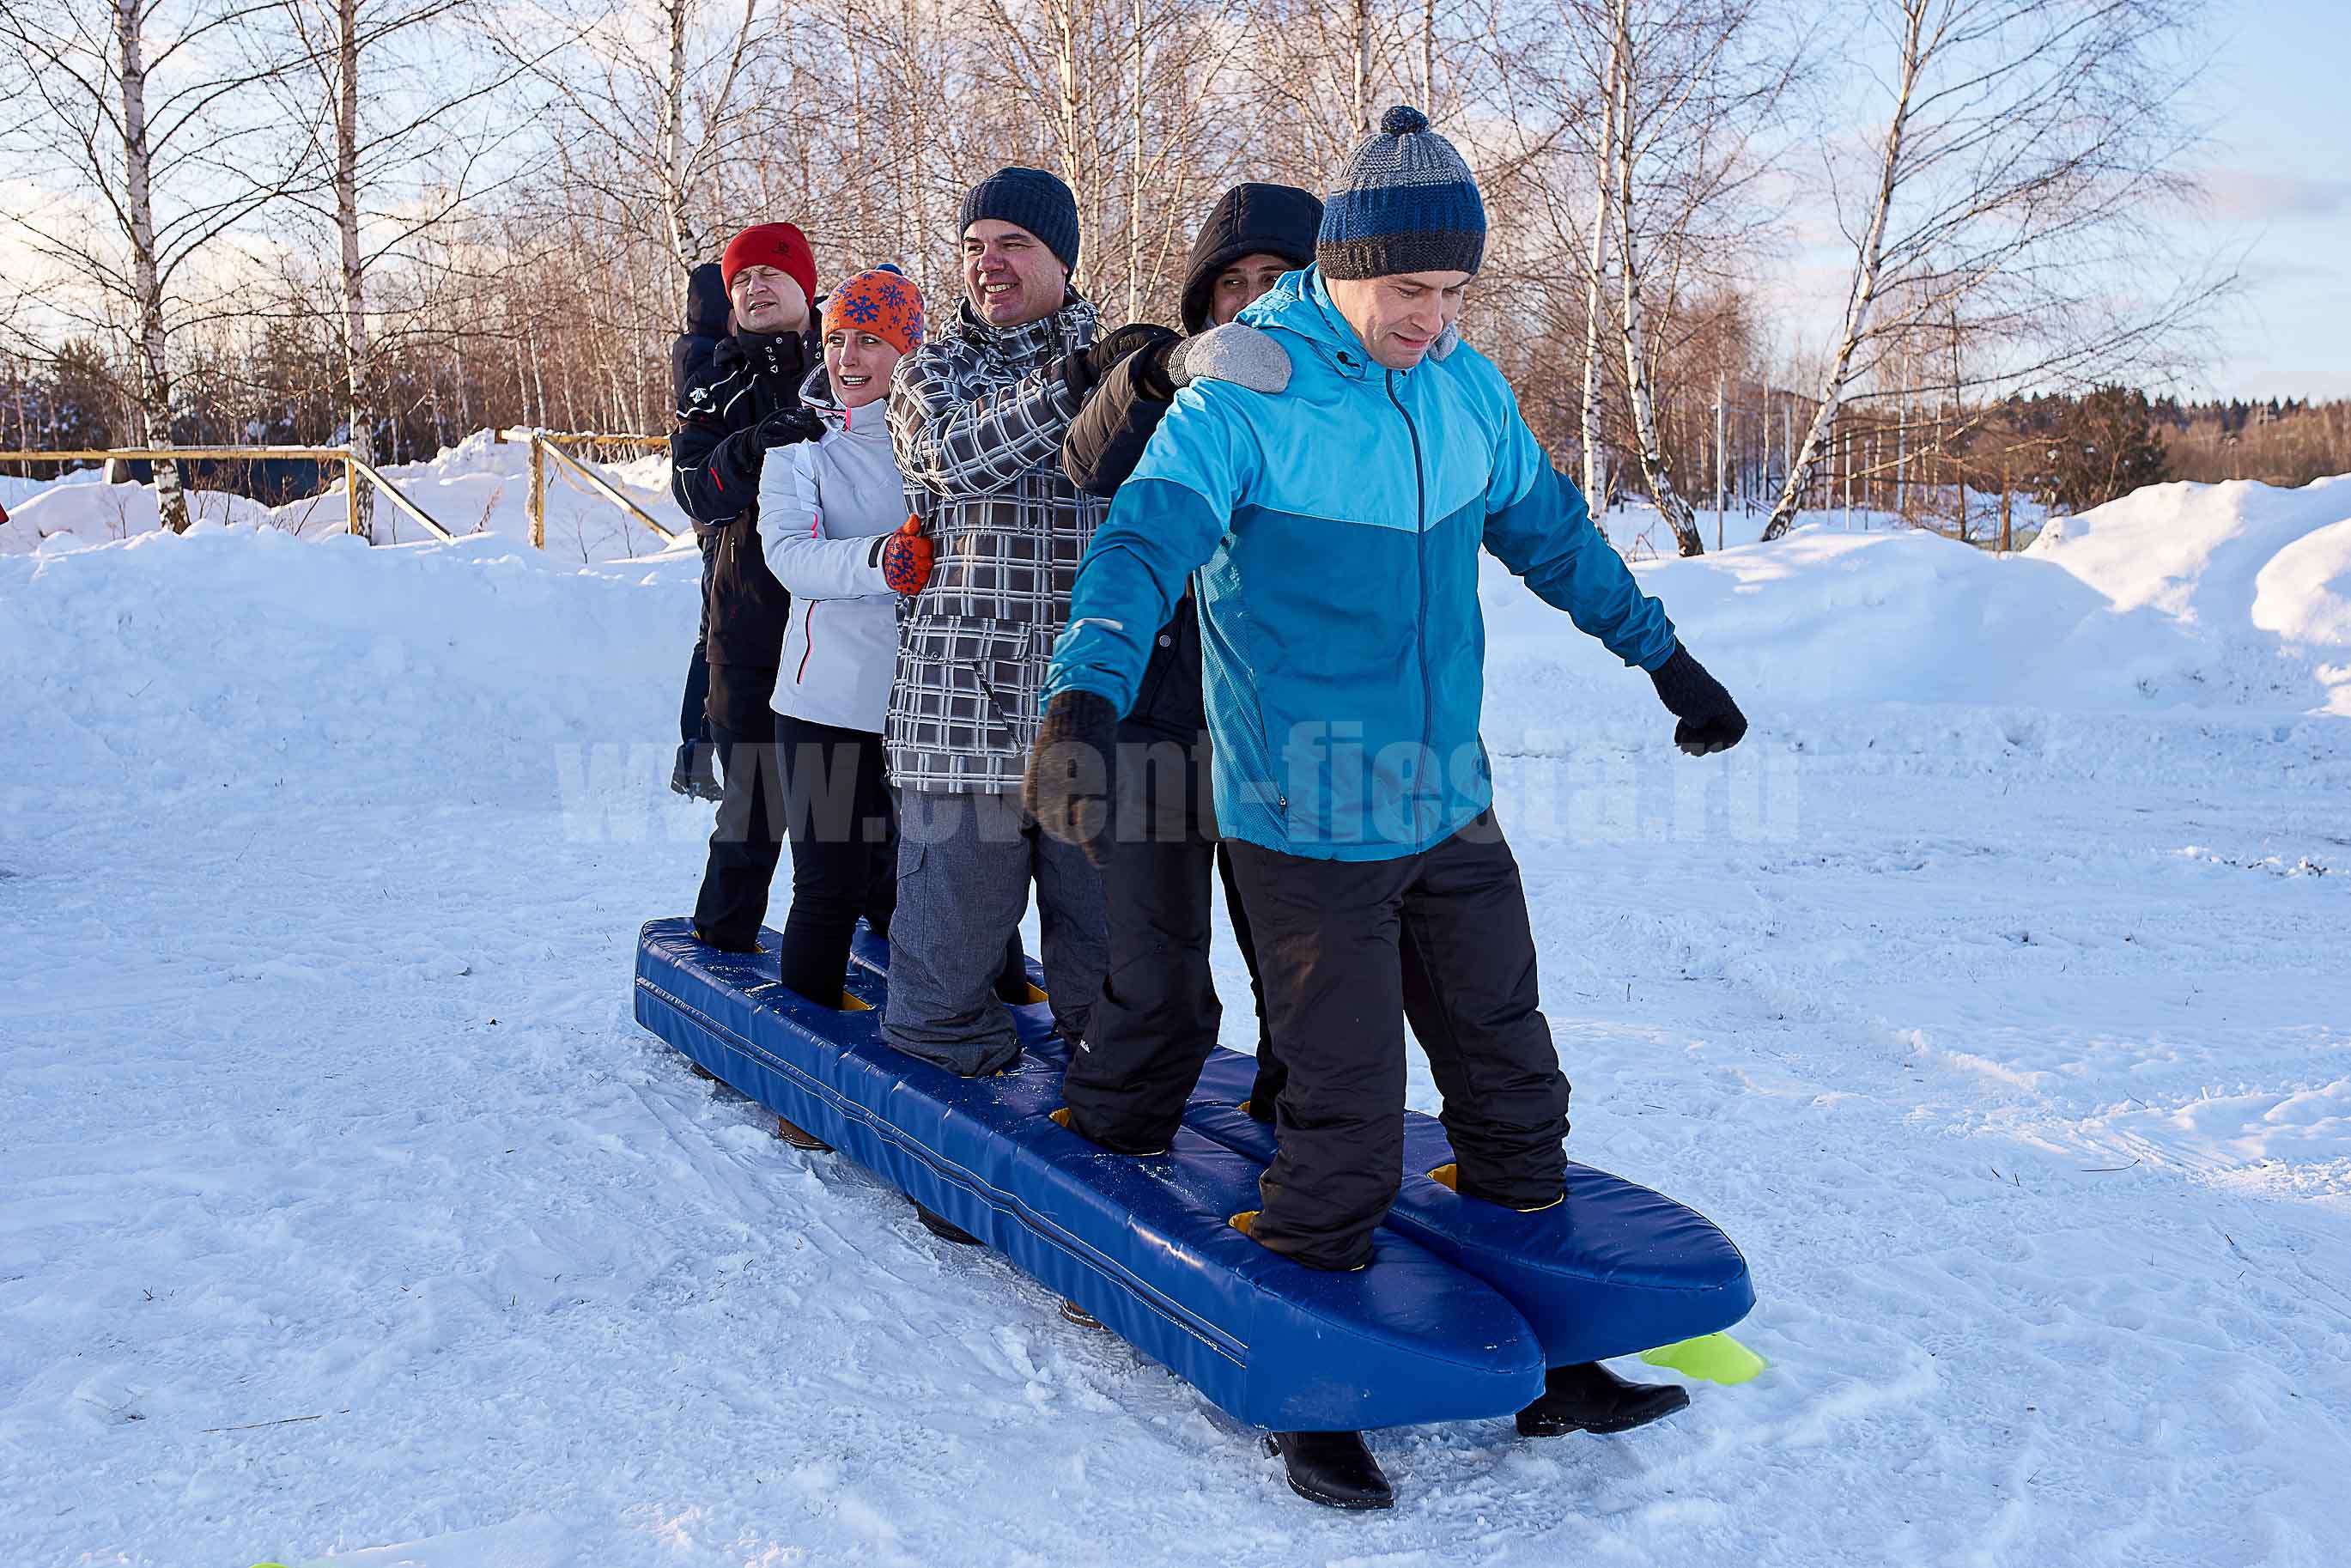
(707, 321)
(1157, 1019)
(746, 405)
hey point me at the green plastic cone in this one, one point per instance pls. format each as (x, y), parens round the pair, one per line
(1716, 1357)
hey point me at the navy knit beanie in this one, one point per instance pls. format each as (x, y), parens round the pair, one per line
(1032, 198)
(1405, 203)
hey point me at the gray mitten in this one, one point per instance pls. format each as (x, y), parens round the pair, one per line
(1233, 352)
(1447, 342)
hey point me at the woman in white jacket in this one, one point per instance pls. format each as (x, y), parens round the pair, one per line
(834, 524)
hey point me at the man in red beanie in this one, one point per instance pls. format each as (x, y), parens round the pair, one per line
(763, 268)
(743, 407)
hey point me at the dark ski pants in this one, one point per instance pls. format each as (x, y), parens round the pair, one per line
(748, 839)
(1158, 1015)
(1350, 950)
(964, 865)
(842, 827)
(693, 720)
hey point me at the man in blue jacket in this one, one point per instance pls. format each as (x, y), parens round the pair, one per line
(1334, 528)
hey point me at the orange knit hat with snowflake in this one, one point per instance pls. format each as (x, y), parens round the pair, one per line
(883, 301)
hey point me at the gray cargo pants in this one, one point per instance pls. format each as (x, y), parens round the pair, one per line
(965, 863)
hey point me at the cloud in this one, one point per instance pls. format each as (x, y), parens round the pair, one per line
(2262, 194)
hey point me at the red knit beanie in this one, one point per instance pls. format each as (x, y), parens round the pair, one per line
(780, 246)
(883, 302)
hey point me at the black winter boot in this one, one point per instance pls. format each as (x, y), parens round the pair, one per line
(1066, 1116)
(946, 1230)
(1588, 1397)
(1333, 1469)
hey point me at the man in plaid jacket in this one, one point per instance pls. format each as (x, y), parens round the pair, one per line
(977, 415)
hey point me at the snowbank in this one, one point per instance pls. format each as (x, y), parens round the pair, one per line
(204, 655)
(2229, 596)
(2261, 575)
(482, 486)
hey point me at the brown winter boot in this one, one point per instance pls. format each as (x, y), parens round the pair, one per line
(802, 1138)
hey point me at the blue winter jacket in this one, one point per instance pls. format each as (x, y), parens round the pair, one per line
(1335, 528)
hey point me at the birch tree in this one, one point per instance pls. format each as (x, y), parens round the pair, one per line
(388, 176)
(1690, 86)
(153, 123)
(655, 105)
(2023, 152)
(1634, 123)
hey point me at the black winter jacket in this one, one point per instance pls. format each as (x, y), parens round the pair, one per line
(714, 462)
(1107, 438)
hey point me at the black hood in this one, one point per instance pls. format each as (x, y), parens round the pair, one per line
(1279, 220)
(705, 302)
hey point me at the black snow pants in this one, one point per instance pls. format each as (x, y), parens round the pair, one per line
(842, 827)
(1158, 1016)
(748, 839)
(1353, 948)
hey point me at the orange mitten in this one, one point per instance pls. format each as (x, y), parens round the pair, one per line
(907, 558)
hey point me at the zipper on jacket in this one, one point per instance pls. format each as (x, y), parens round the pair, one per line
(808, 641)
(1420, 564)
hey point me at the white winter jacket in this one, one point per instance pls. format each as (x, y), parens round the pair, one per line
(821, 512)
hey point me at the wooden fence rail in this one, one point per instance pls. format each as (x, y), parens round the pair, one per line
(354, 470)
(544, 445)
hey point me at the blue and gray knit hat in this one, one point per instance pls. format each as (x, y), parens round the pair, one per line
(1032, 198)
(1405, 203)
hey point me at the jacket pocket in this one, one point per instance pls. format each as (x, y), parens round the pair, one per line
(804, 620)
(974, 678)
(1248, 760)
(1000, 665)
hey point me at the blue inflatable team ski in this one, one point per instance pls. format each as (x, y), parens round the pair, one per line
(1615, 1270)
(1463, 1309)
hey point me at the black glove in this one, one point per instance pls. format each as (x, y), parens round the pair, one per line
(1084, 369)
(1710, 721)
(1149, 370)
(1067, 785)
(788, 427)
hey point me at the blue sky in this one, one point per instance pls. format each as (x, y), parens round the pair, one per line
(2279, 177)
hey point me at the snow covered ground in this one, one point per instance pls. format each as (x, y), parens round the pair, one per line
(1993, 996)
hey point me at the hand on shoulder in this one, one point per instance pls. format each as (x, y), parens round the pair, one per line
(1244, 355)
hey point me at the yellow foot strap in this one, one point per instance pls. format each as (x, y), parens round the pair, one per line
(1448, 1176)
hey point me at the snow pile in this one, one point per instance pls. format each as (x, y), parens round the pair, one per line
(342, 1203)
(2232, 597)
(2263, 574)
(15, 491)
(480, 485)
(273, 647)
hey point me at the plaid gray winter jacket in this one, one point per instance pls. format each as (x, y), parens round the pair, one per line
(976, 415)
